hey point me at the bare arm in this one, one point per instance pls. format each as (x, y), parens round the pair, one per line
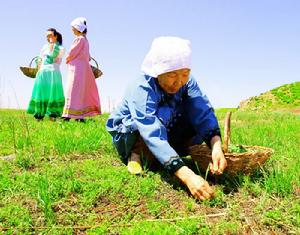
(198, 187)
(219, 162)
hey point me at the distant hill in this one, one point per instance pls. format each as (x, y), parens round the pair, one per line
(285, 97)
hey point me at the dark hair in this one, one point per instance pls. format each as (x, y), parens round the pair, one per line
(57, 35)
(84, 31)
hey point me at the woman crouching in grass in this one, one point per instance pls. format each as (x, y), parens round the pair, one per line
(163, 113)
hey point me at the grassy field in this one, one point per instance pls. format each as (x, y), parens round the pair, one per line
(285, 97)
(66, 178)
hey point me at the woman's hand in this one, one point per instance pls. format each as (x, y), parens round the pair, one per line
(68, 59)
(219, 162)
(198, 187)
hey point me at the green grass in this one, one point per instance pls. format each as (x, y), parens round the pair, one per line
(66, 178)
(280, 98)
(288, 94)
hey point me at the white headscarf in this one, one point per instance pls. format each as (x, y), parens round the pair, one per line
(167, 54)
(79, 24)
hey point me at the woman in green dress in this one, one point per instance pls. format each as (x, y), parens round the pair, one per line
(47, 96)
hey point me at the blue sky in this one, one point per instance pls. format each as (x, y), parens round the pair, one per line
(240, 48)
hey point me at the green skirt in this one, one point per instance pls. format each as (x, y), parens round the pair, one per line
(47, 96)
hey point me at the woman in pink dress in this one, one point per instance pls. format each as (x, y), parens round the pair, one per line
(82, 98)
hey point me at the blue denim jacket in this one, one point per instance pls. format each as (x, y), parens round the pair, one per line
(151, 111)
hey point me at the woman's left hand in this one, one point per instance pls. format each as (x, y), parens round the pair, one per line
(68, 60)
(219, 162)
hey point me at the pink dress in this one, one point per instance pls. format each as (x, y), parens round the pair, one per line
(82, 98)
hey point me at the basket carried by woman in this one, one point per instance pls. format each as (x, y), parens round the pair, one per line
(244, 159)
(96, 71)
(30, 71)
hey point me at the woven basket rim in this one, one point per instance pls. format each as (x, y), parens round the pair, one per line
(29, 68)
(96, 71)
(244, 162)
(29, 71)
(262, 149)
(204, 149)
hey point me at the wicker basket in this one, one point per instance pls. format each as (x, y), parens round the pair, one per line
(30, 71)
(97, 72)
(245, 162)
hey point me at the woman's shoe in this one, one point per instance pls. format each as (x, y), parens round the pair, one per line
(65, 119)
(80, 120)
(134, 165)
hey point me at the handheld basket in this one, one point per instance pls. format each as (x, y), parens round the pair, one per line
(244, 162)
(96, 71)
(30, 71)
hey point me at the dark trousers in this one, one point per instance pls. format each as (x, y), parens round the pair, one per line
(180, 137)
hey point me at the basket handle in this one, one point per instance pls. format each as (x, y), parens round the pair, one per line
(32, 60)
(95, 62)
(227, 132)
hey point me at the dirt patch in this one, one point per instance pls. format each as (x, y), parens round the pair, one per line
(8, 158)
(121, 210)
(108, 209)
(296, 111)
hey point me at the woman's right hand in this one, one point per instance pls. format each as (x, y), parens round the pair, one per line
(198, 187)
(68, 59)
